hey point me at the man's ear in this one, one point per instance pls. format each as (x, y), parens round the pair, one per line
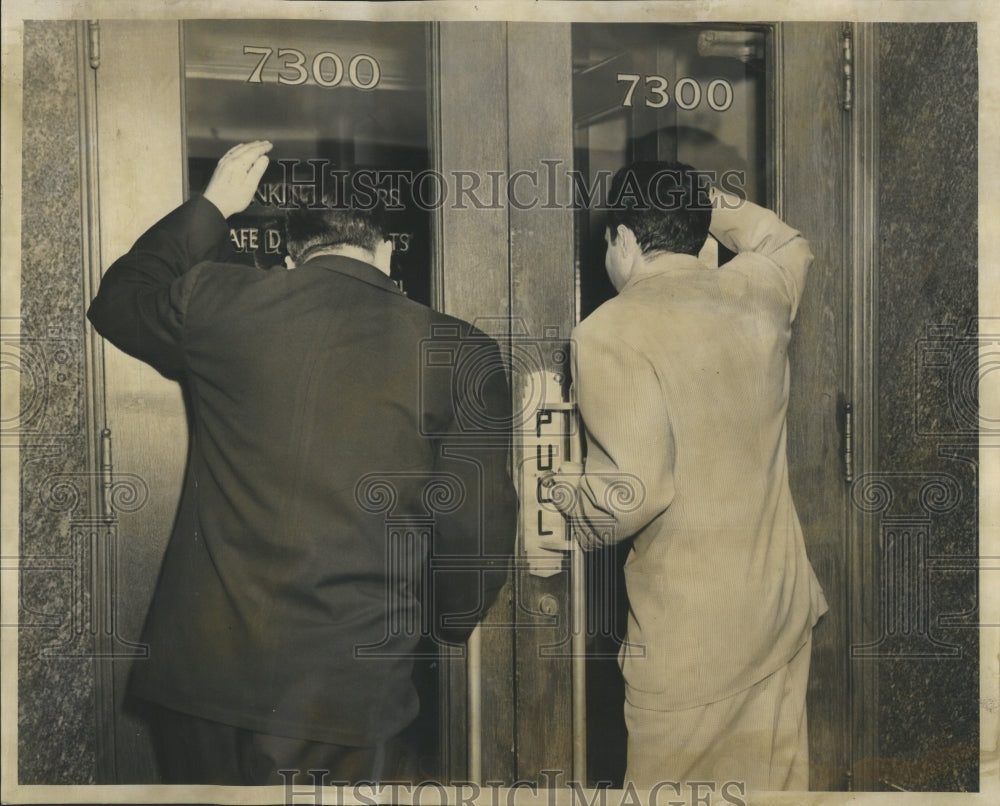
(383, 255)
(626, 239)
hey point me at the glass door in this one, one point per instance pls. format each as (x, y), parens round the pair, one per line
(760, 108)
(333, 97)
(683, 93)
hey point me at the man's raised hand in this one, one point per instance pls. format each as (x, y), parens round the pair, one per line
(236, 177)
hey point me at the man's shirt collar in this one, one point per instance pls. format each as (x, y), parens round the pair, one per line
(352, 267)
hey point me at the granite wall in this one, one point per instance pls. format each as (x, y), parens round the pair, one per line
(928, 656)
(57, 737)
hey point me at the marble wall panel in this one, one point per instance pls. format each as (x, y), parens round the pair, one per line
(928, 675)
(56, 695)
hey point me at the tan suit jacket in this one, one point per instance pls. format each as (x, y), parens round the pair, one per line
(682, 381)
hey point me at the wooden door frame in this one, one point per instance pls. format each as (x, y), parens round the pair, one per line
(481, 261)
(471, 280)
(543, 299)
(864, 571)
(859, 751)
(851, 768)
(135, 174)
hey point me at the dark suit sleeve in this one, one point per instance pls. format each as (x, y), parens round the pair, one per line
(141, 302)
(479, 534)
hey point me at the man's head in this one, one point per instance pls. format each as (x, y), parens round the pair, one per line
(336, 227)
(655, 207)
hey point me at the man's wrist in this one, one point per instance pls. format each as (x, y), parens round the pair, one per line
(217, 205)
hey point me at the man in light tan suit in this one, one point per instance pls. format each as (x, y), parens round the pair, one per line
(682, 381)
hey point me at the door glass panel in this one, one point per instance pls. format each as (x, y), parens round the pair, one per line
(331, 96)
(687, 93)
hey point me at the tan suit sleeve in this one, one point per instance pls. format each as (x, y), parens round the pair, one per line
(628, 473)
(744, 227)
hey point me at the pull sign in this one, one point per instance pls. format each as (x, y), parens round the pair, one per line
(547, 441)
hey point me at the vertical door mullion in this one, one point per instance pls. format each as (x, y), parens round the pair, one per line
(140, 167)
(471, 280)
(863, 342)
(809, 150)
(543, 296)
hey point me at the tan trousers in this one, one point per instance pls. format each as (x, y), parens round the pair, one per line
(756, 738)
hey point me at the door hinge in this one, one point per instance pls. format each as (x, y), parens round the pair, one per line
(94, 43)
(847, 42)
(107, 480)
(848, 443)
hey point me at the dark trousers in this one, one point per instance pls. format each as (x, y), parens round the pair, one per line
(192, 750)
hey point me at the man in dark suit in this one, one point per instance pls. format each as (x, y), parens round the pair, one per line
(329, 473)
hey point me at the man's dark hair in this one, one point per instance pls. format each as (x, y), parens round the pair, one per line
(334, 222)
(666, 205)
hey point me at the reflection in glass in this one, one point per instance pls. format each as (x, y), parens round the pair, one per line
(684, 93)
(331, 96)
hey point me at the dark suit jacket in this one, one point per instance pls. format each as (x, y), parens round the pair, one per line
(336, 441)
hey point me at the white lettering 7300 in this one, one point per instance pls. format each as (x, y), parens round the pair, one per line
(688, 93)
(326, 69)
